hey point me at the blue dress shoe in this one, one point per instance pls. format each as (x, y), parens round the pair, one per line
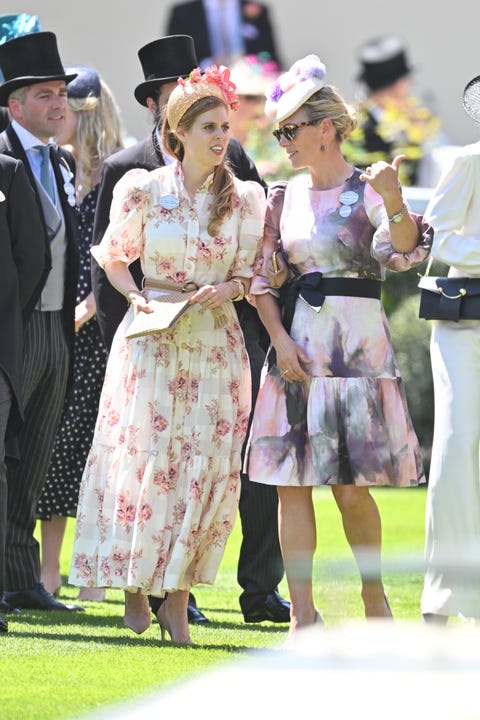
(37, 598)
(273, 607)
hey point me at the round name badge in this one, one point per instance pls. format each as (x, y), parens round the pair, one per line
(169, 202)
(345, 211)
(349, 197)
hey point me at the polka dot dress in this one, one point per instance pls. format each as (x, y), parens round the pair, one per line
(60, 493)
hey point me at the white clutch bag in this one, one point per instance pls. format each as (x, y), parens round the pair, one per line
(167, 309)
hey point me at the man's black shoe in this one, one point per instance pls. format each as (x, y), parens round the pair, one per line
(3, 624)
(36, 598)
(273, 608)
(7, 609)
(195, 616)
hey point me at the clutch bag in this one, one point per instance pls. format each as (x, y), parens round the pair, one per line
(167, 308)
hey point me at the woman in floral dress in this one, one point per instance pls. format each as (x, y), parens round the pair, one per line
(160, 490)
(332, 409)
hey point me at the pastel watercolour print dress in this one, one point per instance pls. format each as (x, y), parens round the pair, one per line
(159, 493)
(349, 422)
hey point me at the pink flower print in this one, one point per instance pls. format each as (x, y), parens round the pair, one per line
(195, 490)
(144, 514)
(234, 388)
(231, 340)
(178, 387)
(82, 564)
(222, 428)
(125, 513)
(113, 418)
(105, 569)
(217, 357)
(140, 473)
(205, 252)
(160, 423)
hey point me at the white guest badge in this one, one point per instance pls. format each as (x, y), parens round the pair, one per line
(347, 198)
(169, 202)
(2, 197)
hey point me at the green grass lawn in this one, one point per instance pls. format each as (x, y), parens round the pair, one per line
(61, 665)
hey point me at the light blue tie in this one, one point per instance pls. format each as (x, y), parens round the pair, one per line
(45, 171)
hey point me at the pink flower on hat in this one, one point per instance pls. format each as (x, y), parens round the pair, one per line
(219, 76)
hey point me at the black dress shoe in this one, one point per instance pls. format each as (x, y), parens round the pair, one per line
(195, 616)
(36, 598)
(3, 624)
(8, 609)
(273, 608)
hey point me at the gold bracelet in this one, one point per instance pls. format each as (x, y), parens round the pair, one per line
(241, 290)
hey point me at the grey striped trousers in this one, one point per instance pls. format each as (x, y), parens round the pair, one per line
(45, 373)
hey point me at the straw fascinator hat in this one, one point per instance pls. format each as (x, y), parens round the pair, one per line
(215, 82)
(294, 87)
(471, 98)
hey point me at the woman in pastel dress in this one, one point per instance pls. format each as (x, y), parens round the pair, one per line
(332, 409)
(160, 490)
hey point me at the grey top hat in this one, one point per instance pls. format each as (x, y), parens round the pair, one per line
(384, 61)
(165, 60)
(471, 98)
(28, 60)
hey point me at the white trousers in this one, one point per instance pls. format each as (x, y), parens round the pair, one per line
(452, 550)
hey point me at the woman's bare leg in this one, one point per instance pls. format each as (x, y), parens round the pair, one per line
(363, 530)
(298, 539)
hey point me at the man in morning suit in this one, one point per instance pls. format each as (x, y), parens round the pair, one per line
(260, 564)
(224, 30)
(35, 91)
(21, 268)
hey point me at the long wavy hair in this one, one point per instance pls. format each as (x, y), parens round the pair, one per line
(99, 133)
(223, 186)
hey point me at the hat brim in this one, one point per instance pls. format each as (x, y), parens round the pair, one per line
(10, 85)
(471, 98)
(149, 87)
(293, 99)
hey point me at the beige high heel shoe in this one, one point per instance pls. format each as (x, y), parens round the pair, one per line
(177, 638)
(137, 614)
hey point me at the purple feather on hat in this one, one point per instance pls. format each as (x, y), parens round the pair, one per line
(308, 67)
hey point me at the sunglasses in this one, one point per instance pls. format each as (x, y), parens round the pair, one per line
(289, 131)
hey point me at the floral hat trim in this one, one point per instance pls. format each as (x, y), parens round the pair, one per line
(294, 87)
(214, 81)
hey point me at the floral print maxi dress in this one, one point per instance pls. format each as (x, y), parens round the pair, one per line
(159, 493)
(349, 422)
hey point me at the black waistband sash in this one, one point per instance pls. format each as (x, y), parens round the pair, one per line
(313, 288)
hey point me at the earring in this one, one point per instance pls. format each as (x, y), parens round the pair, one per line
(322, 148)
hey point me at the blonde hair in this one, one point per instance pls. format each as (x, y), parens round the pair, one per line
(328, 103)
(223, 186)
(99, 132)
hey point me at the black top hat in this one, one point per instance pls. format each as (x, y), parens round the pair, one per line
(165, 60)
(384, 61)
(28, 60)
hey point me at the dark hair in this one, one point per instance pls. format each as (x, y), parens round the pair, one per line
(223, 186)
